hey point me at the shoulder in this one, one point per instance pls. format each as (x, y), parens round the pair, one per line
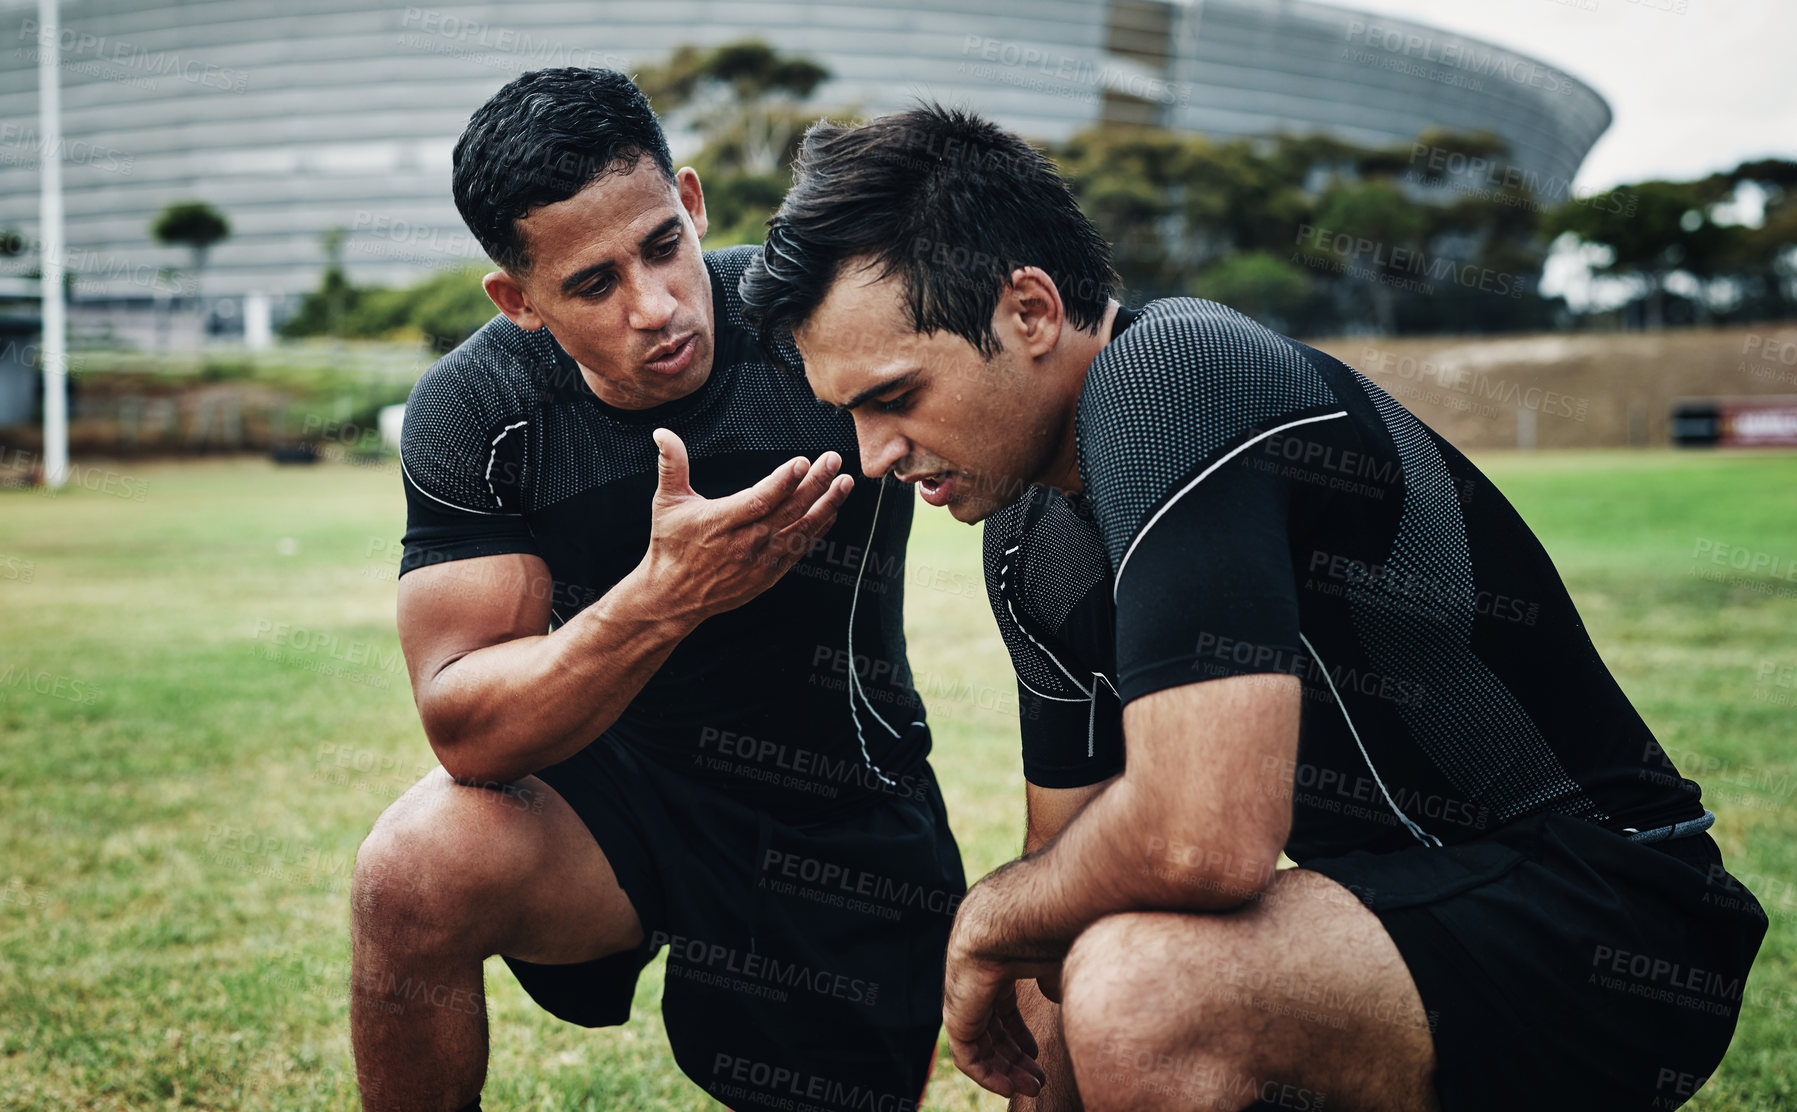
(500, 372)
(471, 415)
(727, 267)
(1187, 353)
(1183, 389)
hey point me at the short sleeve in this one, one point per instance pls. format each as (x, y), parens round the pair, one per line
(462, 464)
(1209, 591)
(1195, 528)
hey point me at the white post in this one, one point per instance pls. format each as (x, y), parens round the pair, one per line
(1525, 429)
(258, 322)
(56, 345)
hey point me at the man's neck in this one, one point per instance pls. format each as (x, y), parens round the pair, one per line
(1063, 473)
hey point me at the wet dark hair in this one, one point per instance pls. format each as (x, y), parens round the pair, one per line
(949, 201)
(543, 138)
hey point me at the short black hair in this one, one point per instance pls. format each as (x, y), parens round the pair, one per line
(543, 138)
(949, 201)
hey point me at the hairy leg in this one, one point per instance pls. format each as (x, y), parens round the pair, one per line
(1299, 999)
(449, 876)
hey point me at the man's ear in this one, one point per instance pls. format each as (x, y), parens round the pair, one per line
(1030, 309)
(511, 299)
(692, 197)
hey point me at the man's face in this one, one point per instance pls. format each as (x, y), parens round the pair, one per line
(617, 275)
(972, 432)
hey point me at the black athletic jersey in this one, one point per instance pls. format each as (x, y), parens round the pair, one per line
(1049, 583)
(801, 699)
(1260, 507)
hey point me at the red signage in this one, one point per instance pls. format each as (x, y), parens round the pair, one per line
(1765, 422)
(1759, 423)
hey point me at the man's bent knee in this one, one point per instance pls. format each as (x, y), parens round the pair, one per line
(440, 862)
(1144, 1021)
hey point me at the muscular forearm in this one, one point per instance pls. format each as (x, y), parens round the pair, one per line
(1120, 854)
(510, 709)
(1195, 823)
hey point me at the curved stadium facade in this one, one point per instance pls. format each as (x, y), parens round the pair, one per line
(295, 119)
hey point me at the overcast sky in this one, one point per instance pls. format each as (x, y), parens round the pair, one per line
(1695, 85)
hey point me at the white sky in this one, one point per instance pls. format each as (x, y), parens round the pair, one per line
(1692, 91)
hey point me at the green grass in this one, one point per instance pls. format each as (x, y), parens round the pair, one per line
(180, 804)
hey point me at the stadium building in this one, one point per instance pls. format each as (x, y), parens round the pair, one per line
(294, 119)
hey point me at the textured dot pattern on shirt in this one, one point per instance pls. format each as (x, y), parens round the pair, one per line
(1415, 619)
(1041, 558)
(519, 384)
(1189, 380)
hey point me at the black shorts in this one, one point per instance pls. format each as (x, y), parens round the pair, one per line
(804, 957)
(1563, 966)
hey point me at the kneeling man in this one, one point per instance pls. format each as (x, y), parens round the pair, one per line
(1325, 633)
(660, 659)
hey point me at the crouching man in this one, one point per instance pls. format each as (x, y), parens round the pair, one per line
(1264, 609)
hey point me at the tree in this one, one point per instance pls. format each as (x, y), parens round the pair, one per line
(1261, 284)
(1134, 182)
(194, 225)
(1384, 234)
(746, 103)
(1764, 256)
(324, 311)
(1179, 209)
(1651, 231)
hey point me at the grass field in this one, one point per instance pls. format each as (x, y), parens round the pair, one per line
(202, 710)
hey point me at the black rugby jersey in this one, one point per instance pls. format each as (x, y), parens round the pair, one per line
(801, 699)
(1261, 507)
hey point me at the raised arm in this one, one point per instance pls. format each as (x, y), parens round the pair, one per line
(501, 697)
